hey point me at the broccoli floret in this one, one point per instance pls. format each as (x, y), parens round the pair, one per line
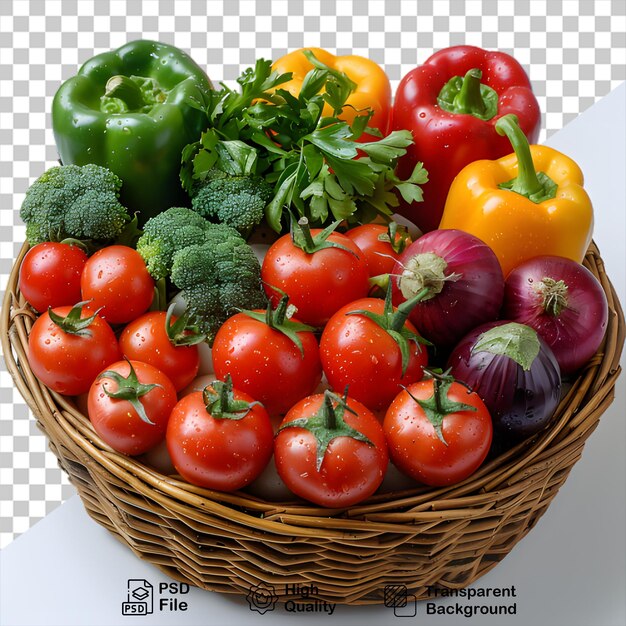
(237, 201)
(218, 277)
(166, 233)
(77, 202)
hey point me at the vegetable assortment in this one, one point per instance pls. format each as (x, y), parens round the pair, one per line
(338, 348)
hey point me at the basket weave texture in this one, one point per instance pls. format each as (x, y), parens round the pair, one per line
(424, 537)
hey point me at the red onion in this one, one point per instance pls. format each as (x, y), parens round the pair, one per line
(564, 302)
(514, 372)
(466, 284)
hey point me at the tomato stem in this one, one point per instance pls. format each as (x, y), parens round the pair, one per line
(219, 401)
(182, 332)
(302, 238)
(330, 418)
(393, 322)
(328, 424)
(403, 311)
(397, 236)
(73, 323)
(278, 319)
(439, 404)
(130, 389)
(71, 241)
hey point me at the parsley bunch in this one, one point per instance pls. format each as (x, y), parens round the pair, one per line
(309, 159)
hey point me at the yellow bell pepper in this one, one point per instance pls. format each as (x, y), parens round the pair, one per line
(523, 205)
(373, 90)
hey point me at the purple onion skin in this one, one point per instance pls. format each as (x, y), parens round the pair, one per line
(476, 297)
(521, 402)
(576, 332)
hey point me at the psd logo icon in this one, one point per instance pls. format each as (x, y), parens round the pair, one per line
(262, 598)
(403, 603)
(139, 598)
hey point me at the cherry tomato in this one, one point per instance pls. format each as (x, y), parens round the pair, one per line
(68, 362)
(318, 283)
(416, 448)
(116, 279)
(50, 275)
(146, 339)
(351, 469)
(219, 447)
(266, 363)
(358, 352)
(379, 254)
(134, 422)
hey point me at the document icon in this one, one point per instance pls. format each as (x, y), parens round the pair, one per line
(139, 600)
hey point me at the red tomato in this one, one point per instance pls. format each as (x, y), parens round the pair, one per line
(379, 255)
(318, 283)
(415, 447)
(356, 351)
(50, 275)
(351, 470)
(117, 420)
(116, 279)
(146, 339)
(265, 363)
(68, 363)
(219, 453)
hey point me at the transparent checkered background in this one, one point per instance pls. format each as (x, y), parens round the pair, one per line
(574, 52)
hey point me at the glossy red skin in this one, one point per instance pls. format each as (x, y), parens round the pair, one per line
(356, 351)
(118, 423)
(116, 279)
(318, 284)
(50, 275)
(145, 339)
(379, 255)
(265, 363)
(351, 471)
(220, 454)
(447, 142)
(417, 451)
(66, 363)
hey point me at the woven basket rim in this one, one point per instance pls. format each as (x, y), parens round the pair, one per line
(396, 512)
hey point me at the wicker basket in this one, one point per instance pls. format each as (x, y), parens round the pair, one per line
(230, 542)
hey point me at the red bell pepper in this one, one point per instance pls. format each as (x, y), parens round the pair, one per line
(451, 105)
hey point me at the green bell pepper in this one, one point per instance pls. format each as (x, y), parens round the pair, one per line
(133, 110)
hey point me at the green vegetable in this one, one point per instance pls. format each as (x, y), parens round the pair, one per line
(310, 160)
(237, 201)
(133, 110)
(165, 234)
(73, 202)
(218, 278)
(211, 264)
